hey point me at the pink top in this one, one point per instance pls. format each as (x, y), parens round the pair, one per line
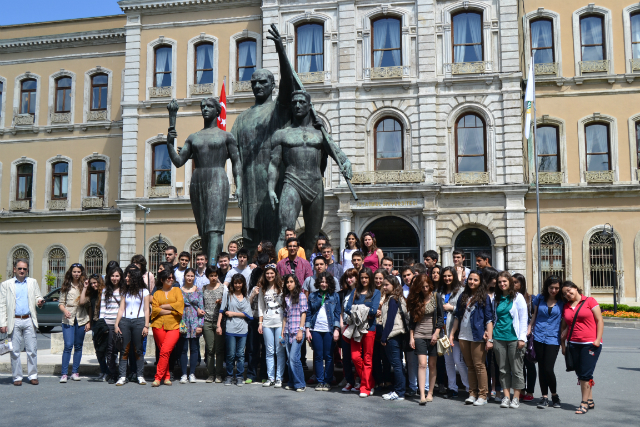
(371, 261)
(585, 330)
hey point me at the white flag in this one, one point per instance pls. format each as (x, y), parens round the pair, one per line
(529, 97)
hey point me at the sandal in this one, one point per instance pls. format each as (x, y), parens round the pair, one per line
(581, 410)
(429, 399)
(423, 402)
(591, 404)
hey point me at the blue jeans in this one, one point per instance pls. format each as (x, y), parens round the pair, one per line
(296, 374)
(394, 354)
(347, 365)
(193, 346)
(73, 336)
(322, 344)
(235, 353)
(272, 343)
(255, 353)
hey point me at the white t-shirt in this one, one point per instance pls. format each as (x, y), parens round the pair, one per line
(322, 324)
(346, 258)
(466, 333)
(132, 305)
(179, 275)
(235, 270)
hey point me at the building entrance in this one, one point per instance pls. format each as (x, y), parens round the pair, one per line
(471, 242)
(397, 239)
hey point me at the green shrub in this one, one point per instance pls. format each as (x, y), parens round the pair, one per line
(621, 307)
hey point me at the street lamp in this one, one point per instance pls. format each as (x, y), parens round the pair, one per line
(609, 234)
(146, 211)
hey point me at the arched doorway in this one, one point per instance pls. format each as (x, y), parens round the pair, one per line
(397, 239)
(472, 241)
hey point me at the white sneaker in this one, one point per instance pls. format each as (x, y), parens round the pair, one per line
(470, 400)
(142, 381)
(372, 391)
(515, 403)
(278, 384)
(121, 381)
(363, 395)
(192, 378)
(480, 402)
(505, 402)
(63, 379)
(389, 396)
(184, 379)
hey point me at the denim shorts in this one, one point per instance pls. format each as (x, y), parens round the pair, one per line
(585, 357)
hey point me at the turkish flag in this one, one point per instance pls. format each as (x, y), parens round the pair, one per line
(222, 118)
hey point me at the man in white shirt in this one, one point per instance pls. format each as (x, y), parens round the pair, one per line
(18, 298)
(183, 263)
(387, 264)
(201, 265)
(232, 248)
(458, 262)
(320, 266)
(241, 267)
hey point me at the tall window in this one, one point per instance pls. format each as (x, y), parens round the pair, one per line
(552, 255)
(96, 178)
(310, 48)
(195, 249)
(28, 93)
(94, 260)
(57, 266)
(388, 145)
(60, 180)
(99, 91)
(204, 63)
(163, 66)
(467, 37)
(548, 149)
(542, 41)
(161, 166)
(1, 94)
(20, 253)
(635, 36)
(156, 255)
(602, 261)
(387, 45)
(470, 144)
(638, 144)
(25, 181)
(246, 59)
(63, 95)
(598, 153)
(592, 38)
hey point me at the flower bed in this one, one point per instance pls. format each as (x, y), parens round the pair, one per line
(621, 314)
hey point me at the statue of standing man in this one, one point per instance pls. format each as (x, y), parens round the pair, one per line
(253, 130)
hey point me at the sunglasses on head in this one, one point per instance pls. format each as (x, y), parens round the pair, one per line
(270, 266)
(94, 276)
(77, 265)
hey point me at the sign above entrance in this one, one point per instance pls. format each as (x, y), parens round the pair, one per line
(387, 204)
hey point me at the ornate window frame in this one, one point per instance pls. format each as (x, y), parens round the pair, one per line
(592, 9)
(562, 142)
(233, 57)
(10, 259)
(85, 177)
(45, 261)
(633, 149)
(81, 258)
(86, 106)
(52, 97)
(17, 91)
(542, 13)
(313, 17)
(370, 159)
(586, 262)
(191, 58)
(148, 167)
(151, 52)
(34, 182)
(626, 28)
(3, 103)
(49, 178)
(613, 143)
(568, 261)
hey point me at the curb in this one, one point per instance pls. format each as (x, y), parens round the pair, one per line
(622, 323)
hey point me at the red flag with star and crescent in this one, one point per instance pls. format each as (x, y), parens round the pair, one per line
(222, 118)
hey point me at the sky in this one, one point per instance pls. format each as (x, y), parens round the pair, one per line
(28, 11)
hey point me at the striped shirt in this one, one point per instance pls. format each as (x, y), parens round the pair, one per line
(109, 311)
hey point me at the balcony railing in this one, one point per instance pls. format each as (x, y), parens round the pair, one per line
(601, 66)
(599, 176)
(314, 77)
(162, 191)
(204, 89)
(161, 92)
(20, 205)
(470, 67)
(388, 72)
(546, 68)
(471, 178)
(60, 118)
(242, 86)
(24, 120)
(92, 202)
(388, 177)
(93, 116)
(548, 178)
(58, 205)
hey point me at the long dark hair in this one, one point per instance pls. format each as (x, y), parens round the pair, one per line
(455, 284)
(511, 290)
(140, 259)
(346, 241)
(551, 280)
(68, 278)
(136, 283)
(371, 288)
(523, 286)
(331, 283)
(316, 249)
(436, 285)
(95, 293)
(264, 283)
(294, 296)
(109, 286)
(417, 301)
(569, 284)
(397, 287)
(479, 296)
(238, 278)
(374, 244)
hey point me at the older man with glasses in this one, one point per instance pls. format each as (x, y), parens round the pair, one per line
(18, 298)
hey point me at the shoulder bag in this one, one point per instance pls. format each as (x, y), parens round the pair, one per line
(568, 358)
(405, 336)
(530, 352)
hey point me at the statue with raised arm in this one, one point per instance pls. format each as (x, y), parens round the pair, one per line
(302, 149)
(253, 129)
(209, 190)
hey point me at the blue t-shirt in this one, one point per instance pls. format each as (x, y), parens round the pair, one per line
(547, 327)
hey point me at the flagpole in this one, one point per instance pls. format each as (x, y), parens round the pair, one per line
(535, 144)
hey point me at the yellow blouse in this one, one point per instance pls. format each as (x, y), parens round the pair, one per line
(167, 321)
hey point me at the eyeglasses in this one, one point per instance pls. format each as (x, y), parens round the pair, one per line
(21, 268)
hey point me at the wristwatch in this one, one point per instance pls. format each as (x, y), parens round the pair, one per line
(491, 340)
(301, 328)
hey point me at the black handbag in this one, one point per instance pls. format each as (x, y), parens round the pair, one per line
(568, 358)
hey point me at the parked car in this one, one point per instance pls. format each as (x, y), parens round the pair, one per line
(49, 316)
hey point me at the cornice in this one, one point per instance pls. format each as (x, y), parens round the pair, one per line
(159, 6)
(58, 41)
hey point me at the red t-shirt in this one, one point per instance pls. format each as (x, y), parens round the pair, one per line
(585, 329)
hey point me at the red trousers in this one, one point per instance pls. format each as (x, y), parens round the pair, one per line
(362, 357)
(165, 341)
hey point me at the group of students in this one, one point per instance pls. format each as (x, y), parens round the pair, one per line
(410, 331)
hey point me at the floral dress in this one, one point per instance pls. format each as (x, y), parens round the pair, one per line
(192, 301)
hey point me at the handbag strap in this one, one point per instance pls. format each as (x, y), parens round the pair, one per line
(141, 301)
(575, 317)
(404, 321)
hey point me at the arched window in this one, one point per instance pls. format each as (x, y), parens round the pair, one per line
(309, 48)
(96, 182)
(1, 95)
(56, 266)
(598, 147)
(246, 60)
(552, 255)
(99, 91)
(388, 145)
(592, 41)
(156, 255)
(195, 249)
(20, 253)
(542, 41)
(60, 180)
(204, 63)
(63, 95)
(602, 262)
(467, 37)
(161, 166)
(93, 260)
(162, 67)
(471, 144)
(635, 35)
(637, 153)
(548, 148)
(28, 93)
(25, 181)
(386, 48)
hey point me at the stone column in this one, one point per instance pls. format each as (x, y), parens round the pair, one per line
(498, 263)
(429, 230)
(447, 257)
(345, 228)
(128, 234)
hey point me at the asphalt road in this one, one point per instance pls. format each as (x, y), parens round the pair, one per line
(99, 404)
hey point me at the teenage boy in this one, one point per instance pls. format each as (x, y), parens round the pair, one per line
(170, 255)
(201, 266)
(232, 248)
(406, 272)
(333, 267)
(387, 264)
(320, 266)
(294, 264)
(283, 253)
(430, 258)
(223, 264)
(458, 262)
(357, 258)
(183, 263)
(483, 260)
(242, 268)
